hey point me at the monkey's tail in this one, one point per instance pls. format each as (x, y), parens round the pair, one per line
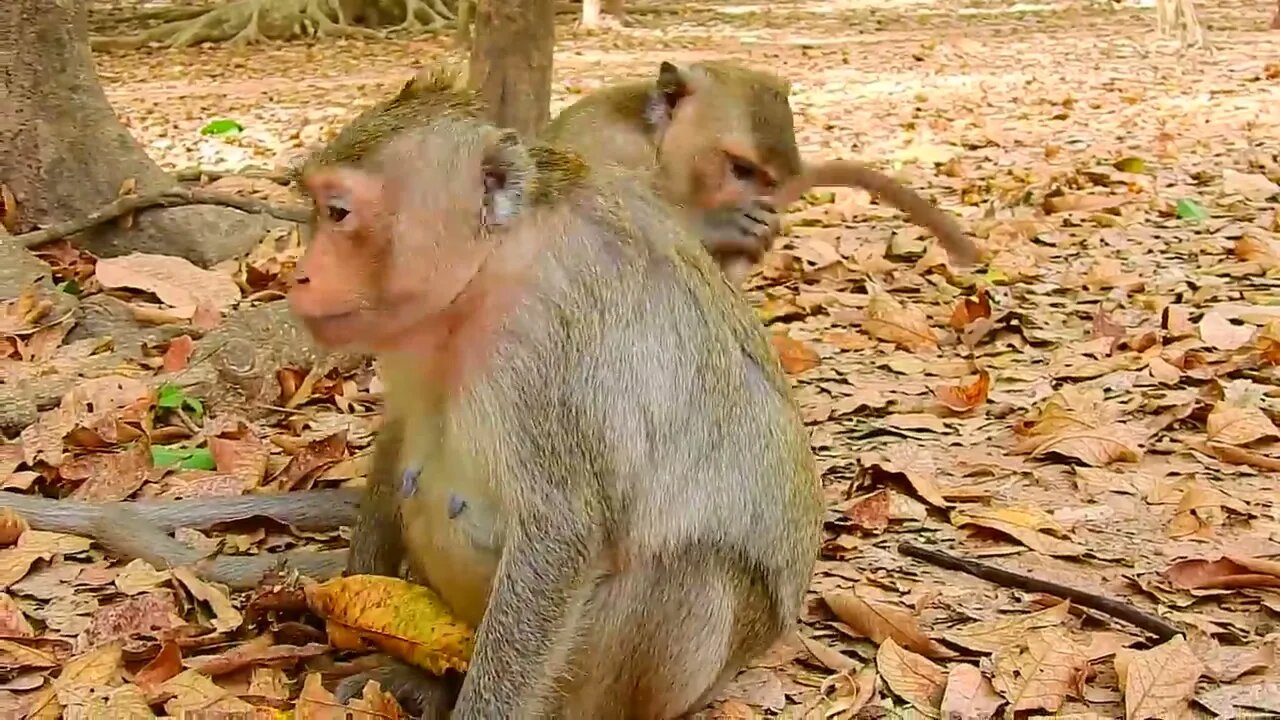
(846, 173)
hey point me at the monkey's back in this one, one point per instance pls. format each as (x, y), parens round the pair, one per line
(634, 358)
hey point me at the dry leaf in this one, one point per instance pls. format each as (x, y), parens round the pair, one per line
(969, 695)
(1239, 425)
(32, 546)
(178, 353)
(176, 281)
(1033, 528)
(1216, 330)
(1040, 674)
(915, 464)
(12, 525)
(1160, 682)
(226, 617)
(889, 320)
(194, 693)
(878, 622)
(1224, 572)
(912, 677)
(965, 397)
(796, 357)
(989, 636)
(403, 619)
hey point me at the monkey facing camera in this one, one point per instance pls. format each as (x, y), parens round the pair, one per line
(591, 452)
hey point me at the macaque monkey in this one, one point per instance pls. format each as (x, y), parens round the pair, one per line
(592, 452)
(720, 140)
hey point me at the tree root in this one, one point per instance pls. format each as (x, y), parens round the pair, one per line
(173, 197)
(139, 530)
(1116, 609)
(195, 174)
(425, 16)
(244, 22)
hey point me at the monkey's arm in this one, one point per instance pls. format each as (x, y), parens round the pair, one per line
(538, 596)
(377, 544)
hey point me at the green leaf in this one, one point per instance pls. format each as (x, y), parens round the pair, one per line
(221, 127)
(1189, 210)
(185, 458)
(1130, 165)
(172, 397)
(70, 287)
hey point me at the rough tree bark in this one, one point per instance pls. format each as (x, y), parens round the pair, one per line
(66, 153)
(511, 61)
(243, 22)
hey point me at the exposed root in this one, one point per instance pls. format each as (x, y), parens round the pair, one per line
(173, 197)
(421, 17)
(244, 22)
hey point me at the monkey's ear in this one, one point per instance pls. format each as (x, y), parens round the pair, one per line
(506, 168)
(671, 88)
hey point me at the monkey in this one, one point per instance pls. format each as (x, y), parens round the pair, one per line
(597, 459)
(719, 139)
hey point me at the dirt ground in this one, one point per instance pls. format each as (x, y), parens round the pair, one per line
(1094, 405)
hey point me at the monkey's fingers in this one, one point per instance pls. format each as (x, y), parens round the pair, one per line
(419, 694)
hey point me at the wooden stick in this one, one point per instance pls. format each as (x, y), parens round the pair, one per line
(1122, 611)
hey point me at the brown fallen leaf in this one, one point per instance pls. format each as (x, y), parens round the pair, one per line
(177, 354)
(968, 310)
(869, 512)
(258, 650)
(226, 617)
(310, 460)
(906, 326)
(193, 693)
(176, 281)
(879, 622)
(1239, 425)
(12, 525)
(111, 476)
(374, 702)
(148, 615)
(1160, 682)
(969, 695)
(830, 657)
(82, 677)
(912, 677)
(1225, 572)
(13, 624)
(1217, 330)
(1033, 528)
(406, 620)
(796, 356)
(1041, 672)
(245, 457)
(317, 703)
(164, 666)
(35, 545)
(913, 463)
(1079, 202)
(965, 397)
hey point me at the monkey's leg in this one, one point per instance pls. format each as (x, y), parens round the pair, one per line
(421, 695)
(377, 545)
(663, 638)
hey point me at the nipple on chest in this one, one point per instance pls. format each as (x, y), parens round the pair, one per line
(409, 481)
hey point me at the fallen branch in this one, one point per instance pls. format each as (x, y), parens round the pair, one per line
(1006, 578)
(173, 197)
(139, 529)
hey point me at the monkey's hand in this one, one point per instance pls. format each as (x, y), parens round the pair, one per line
(744, 230)
(420, 694)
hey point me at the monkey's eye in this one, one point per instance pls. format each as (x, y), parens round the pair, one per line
(336, 209)
(742, 170)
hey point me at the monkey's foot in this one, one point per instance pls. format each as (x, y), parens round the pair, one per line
(420, 694)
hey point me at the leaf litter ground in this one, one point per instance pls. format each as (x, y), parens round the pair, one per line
(1095, 404)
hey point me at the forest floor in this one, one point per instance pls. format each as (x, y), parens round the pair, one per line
(1095, 405)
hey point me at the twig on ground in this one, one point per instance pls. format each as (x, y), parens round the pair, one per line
(195, 174)
(173, 197)
(1006, 578)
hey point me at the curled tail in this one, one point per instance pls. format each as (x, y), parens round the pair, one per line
(845, 173)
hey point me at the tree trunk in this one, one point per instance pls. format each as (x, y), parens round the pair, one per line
(511, 61)
(613, 7)
(66, 153)
(462, 30)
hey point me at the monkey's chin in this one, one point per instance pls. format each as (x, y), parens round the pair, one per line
(367, 330)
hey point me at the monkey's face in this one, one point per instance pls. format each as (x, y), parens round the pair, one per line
(393, 247)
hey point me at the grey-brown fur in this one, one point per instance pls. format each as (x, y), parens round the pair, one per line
(630, 446)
